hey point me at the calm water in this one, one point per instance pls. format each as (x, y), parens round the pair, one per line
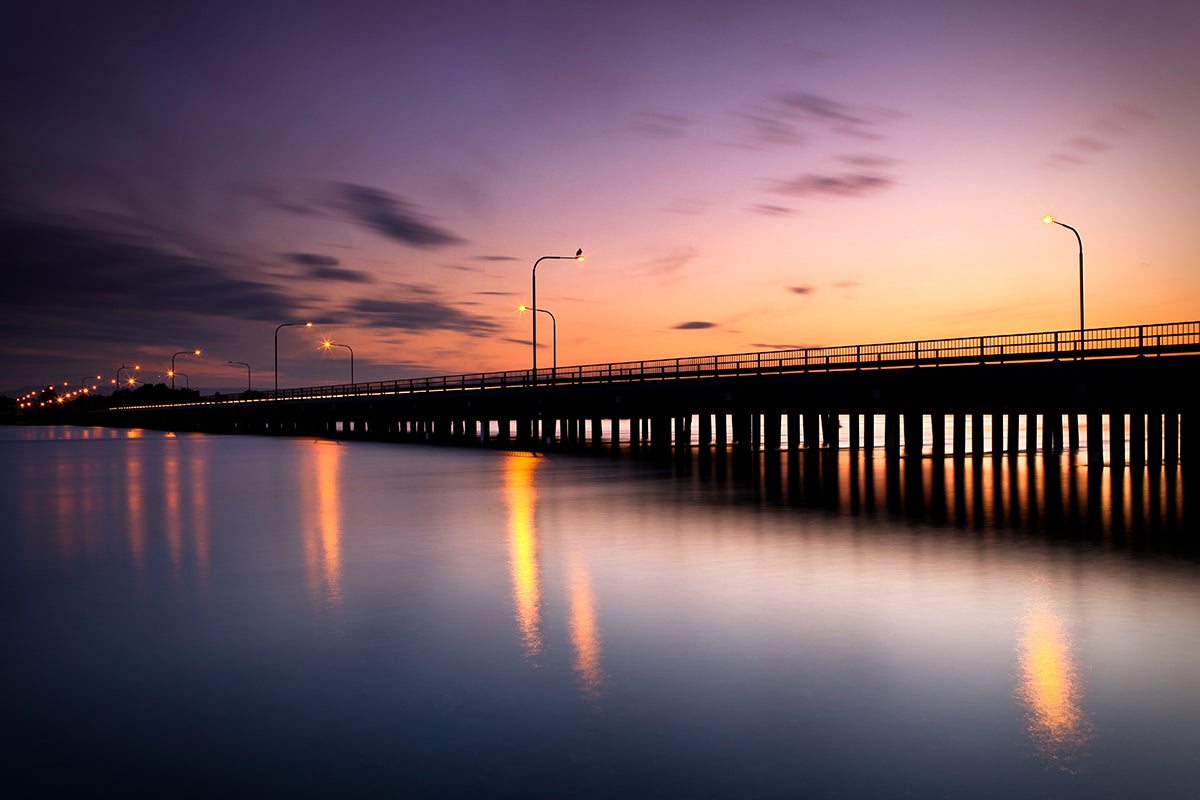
(235, 616)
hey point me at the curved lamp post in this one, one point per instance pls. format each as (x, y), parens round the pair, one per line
(180, 353)
(126, 369)
(186, 383)
(328, 344)
(577, 257)
(247, 366)
(553, 328)
(285, 325)
(1048, 220)
(83, 383)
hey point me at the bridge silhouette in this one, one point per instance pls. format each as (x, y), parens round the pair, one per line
(961, 396)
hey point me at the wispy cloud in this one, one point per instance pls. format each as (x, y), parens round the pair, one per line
(693, 325)
(63, 268)
(1101, 137)
(420, 316)
(659, 125)
(771, 210)
(846, 184)
(802, 289)
(340, 274)
(793, 117)
(311, 259)
(389, 215)
(665, 267)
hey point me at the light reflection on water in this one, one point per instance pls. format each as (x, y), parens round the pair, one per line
(501, 624)
(1051, 683)
(319, 472)
(523, 550)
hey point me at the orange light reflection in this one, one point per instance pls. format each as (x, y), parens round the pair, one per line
(585, 636)
(1050, 686)
(521, 495)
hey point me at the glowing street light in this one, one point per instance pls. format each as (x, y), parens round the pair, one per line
(1048, 220)
(328, 344)
(247, 366)
(124, 368)
(83, 383)
(180, 353)
(577, 257)
(553, 328)
(285, 325)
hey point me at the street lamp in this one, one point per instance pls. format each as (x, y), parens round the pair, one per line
(577, 257)
(83, 383)
(247, 366)
(553, 328)
(187, 384)
(180, 353)
(285, 325)
(125, 369)
(328, 344)
(1049, 219)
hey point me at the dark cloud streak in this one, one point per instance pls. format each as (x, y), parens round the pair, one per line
(389, 215)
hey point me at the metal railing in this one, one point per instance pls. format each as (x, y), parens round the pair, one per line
(1123, 342)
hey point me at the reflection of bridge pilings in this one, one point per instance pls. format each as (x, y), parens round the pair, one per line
(1138, 508)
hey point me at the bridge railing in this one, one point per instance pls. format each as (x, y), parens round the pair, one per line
(1137, 340)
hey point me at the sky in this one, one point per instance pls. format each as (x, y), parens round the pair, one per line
(740, 176)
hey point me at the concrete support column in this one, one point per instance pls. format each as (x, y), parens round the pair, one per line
(1052, 432)
(793, 430)
(705, 431)
(869, 429)
(772, 430)
(914, 432)
(741, 430)
(1095, 437)
(855, 432)
(937, 429)
(1154, 437)
(1116, 438)
(891, 432)
(722, 429)
(1014, 433)
(831, 435)
(959, 444)
(997, 433)
(812, 430)
(660, 432)
(1137, 439)
(1073, 431)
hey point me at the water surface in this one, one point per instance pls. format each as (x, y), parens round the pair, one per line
(191, 615)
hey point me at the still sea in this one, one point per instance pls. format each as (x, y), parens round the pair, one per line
(234, 616)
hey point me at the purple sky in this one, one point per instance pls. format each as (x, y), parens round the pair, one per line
(741, 176)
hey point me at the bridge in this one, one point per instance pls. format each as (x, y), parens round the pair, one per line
(985, 395)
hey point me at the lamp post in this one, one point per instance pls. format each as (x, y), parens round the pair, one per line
(328, 344)
(285, 325)
(83, 382)
(125, 369)
(247, 366)
(1048, 220)
(187, 384)
(554, 329)
(577, 257)
(180, 353)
